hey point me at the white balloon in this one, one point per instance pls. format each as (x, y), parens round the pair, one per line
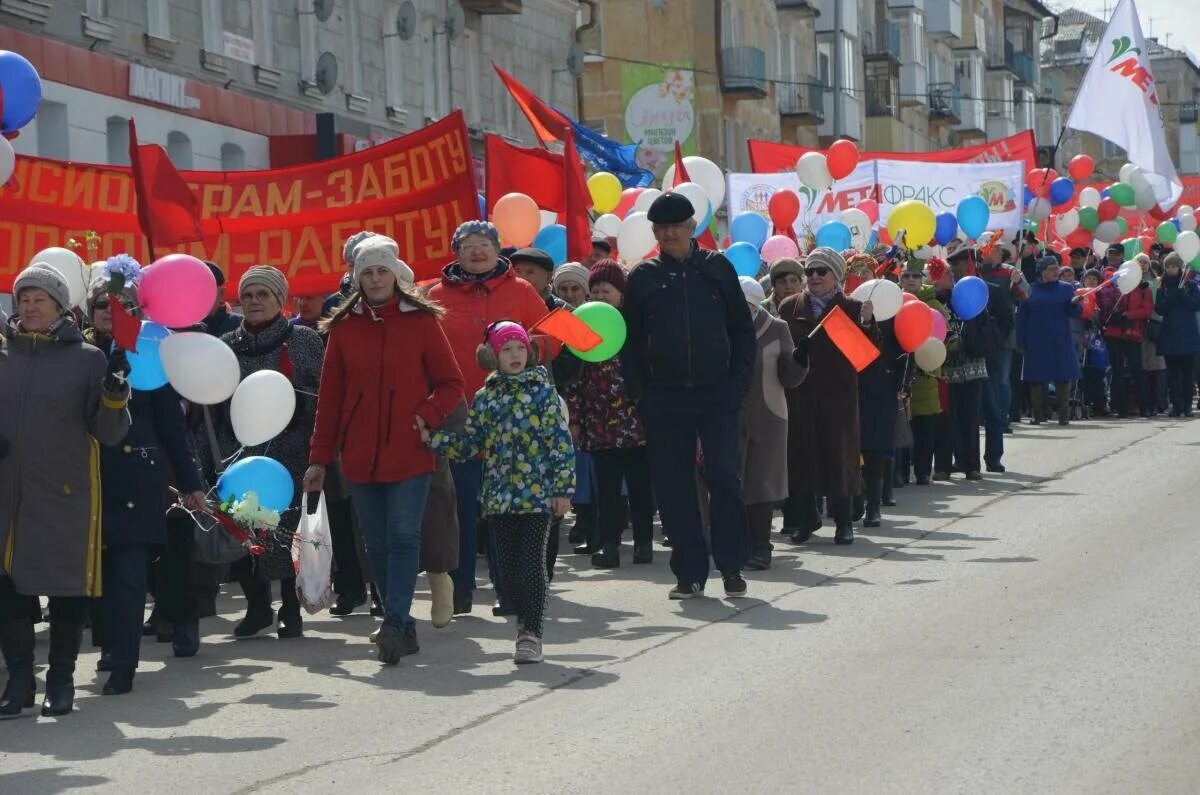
(1143, 197)
(706, 174)
(76, 272)
(1187, 223)
(8, 160)
(547, 218)
(814, 171)
(931, 355)
(1108, 231)
(645, 199)
(262, 406)
(608, 225)
(697, 196)
(1089, 197)
(202, 369)
(1185, 209)
(1129, 276)
(1067, 222)
(1187, 245)
(635, 239)
(860, 227)
(885, 297)
(1099, 247)
(1138, 180)
(1039, 209)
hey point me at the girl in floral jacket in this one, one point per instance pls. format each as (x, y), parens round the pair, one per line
(519, 425)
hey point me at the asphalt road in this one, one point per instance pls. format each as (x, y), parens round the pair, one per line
(1033, 632)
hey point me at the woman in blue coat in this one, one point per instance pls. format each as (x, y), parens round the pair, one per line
(1044, 333)
(1178, 341)
(135, 476)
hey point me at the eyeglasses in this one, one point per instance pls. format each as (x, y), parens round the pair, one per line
(818, 270)
(911, 275)
(256, 295)
(474, 246)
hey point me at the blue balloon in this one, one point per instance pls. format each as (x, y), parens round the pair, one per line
(750, 228)
(973, 215)
(1104, 193)
(264, 476)
(835, 235)
(145, 368)
(22, 89)
(946, 228)
(1177, 224)
(745, 259)
(482, 206)
(1062, 190)
(969, 297)
(553, 240)
(1028, 196)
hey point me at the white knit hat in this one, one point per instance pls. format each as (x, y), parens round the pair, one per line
(382, 251)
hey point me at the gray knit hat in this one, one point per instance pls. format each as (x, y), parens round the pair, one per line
(41, 276)
(269, 277)
(99, 287)
(380, 250)
(823, 255)
(570, 272)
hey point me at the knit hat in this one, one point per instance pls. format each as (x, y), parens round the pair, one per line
(823, 255)
(41, 276)
(505, 331)
(607, 270)
(218, 274)
(381, 251)
(786, 265)
(352, 243)
(269, 277)
(485, 228)
(99, 288)
(752, 290)
(570, 272)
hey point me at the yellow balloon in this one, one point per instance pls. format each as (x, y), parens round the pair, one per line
(606, 191)
(915, 220)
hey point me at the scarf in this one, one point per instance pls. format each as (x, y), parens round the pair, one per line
(820, 302)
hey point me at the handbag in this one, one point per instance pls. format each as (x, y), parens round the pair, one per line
(211, 543)
(903, 437)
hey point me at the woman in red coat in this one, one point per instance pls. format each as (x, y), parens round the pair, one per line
(388, 370)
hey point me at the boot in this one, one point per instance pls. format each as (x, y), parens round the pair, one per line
(1036, 401)
(844, 534)
(874, 489)
(858, 509)
(889, 481)
(609, 557)
(1064, 403)
(120, 681)
(259, 614)
(65, 639)
(441, 595)
(760, 557)
(187, 639)
(16, 641)
(291, 623)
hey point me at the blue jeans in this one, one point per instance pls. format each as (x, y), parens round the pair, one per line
(390, 517)
(468, 479)
(997, 395)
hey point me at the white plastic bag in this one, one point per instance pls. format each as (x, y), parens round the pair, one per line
(312, 559)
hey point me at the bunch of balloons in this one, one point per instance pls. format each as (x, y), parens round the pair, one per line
(21, 88)
(819, 170)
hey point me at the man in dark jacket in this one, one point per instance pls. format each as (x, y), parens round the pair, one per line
(688, 358)
(1010, 288)
(220, 320)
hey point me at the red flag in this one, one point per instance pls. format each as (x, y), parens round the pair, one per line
(537, 173)
(705, 239)
(125, 327)
(568, 329)
(168, 212)
(548, 124)
(849, 339)
(579, 227)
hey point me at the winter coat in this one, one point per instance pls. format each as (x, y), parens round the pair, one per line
(600, 406)
(1178, 304)
(472, 305)
(222, 322)
(1127, 319)
(764, 418)
(1011, 294)
(519, 425)
(879, 388)
(823, 433)
(383, 366)
(54, 415)
(136, 472)
(1044, 333)
(923, 396)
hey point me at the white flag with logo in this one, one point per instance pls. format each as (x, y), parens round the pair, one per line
(1118, 100)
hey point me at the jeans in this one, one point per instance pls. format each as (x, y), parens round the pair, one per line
(997, 401)
(964, 413)
(390, 516)
(468, 478)
(1180, 382)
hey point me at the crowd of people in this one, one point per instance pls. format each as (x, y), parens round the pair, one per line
(441, 425)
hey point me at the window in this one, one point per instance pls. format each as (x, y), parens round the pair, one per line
(233, 158)
(116, 134)
(393, 58)
(158, 19)
(849, 78)
(824, 59)
(211, 23)
(53, 139)
(354, 55)
(179, 149)
(264, 33)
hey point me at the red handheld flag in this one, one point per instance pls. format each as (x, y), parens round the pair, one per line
(849, 339)
(568, 329)
(125, 326)
(168, 212)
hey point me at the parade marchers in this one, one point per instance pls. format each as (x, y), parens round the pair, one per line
(440, 429)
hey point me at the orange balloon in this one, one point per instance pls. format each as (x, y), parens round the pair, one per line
(517, 219)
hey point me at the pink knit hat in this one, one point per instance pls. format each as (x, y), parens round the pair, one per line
(505, 331)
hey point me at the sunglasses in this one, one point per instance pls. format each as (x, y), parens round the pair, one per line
(104, 303)
(911, 276)
(819, 270)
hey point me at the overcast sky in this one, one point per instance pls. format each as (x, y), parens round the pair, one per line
(1159, 17)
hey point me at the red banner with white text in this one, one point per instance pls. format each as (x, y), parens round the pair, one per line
(416, 189)
(768, 157)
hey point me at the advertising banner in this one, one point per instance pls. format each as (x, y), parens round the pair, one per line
(660, 109)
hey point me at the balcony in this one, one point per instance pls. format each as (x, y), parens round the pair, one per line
(744, 72)
(492, 6)
(803, 102)
(849, 120)
(1019, 63)
(801, 6)
(943, 19)
(917, 4)
(973, 118)
(881, 98)
(884, 44)
(945, 103)
(913, 85)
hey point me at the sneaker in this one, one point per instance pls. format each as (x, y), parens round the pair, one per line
(462, 603)
(941, 475)
(735, 584)
(974, 475)
(686, 591)
(529, 649)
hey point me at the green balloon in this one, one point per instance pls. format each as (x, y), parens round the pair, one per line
(1195, 264)
(1133, 247)
(1089, 219)
(1122, 225)
(1123, 194)
(608, 324)
(1166, 233)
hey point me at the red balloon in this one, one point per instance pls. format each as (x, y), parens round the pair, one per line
(1159, 214)
(783, 208)
(871, 208)
(1080, 238)
(1108, 209)
(907, 298)
(1038, 181)
(841, 158)
(1080, 167)
(628, 197)
(913, 325)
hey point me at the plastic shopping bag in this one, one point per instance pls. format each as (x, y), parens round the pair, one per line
(312, 558)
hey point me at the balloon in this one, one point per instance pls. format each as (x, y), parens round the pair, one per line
(1108, 209)
(1132, 246)
(202, 369)
(842, 158)
(1144, 198)
(608, 323)
(1089, 197)
(1099, 248)
(1122, 194)
(969, 297)
(859, 224)
(703, 172)
(945, 228)
(745, 259)
(913, 325)
(908, 298)
(813, 171)
(516, 218)
(264, 476)
(885, 297)
(77, 273)
(871, 208)
(1028, 197)
(177, 290)
(699, 199)
(702, 227)
(777, 247)
(647, 197)
(938, 325)
(1122, 226)
(1089, 218)
(931, 354)
(629, 197)
(973, 215)
(607, 225)
(635, 238)
(835, 235)
(145, 366)
(546, 218)
(1066, 223)
(1080, 238)
(1080, 167)
(1126, 172)
(22, 89)
(1039, 209)
(8, 160)
(1129, 276)
(605, 190)
(262, 406)
(915, 220)
(553, 240)
(1108, 231)
(1187, 245)
(1061, 191)
(1038, 180)
(784, 208)
(750, 228)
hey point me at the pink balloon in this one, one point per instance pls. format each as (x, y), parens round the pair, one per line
(177, 291)
(939, 324)
(777, 247)
(871, 208)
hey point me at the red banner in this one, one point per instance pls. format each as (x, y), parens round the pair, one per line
(416, 189)
(769, 157)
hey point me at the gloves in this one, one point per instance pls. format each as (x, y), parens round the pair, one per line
(118, 372)
(800, 354)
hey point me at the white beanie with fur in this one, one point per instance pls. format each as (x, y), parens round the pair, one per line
(382, 251)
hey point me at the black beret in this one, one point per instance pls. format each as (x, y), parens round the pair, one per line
(670, 208)
(532, 255)
(217, 273)
(602, 244)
